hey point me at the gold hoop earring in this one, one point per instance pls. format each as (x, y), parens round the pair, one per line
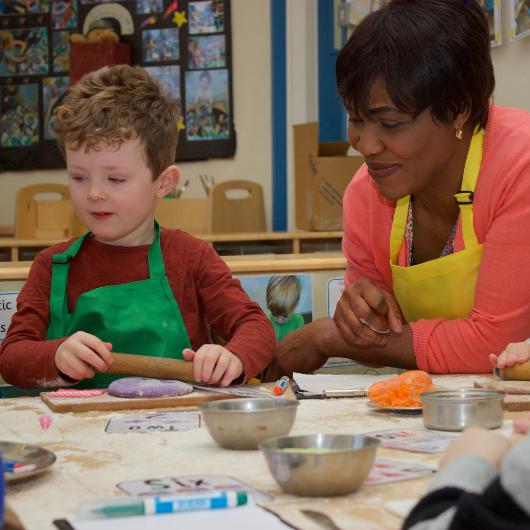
(459, 134)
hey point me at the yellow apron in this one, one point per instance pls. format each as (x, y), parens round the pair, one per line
(443, 287)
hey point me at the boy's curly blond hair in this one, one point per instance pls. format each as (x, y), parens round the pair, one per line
(115, 104)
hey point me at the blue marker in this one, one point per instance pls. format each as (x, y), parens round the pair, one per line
(129, 506)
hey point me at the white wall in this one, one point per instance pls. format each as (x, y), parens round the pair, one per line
(252, 115)
(511, 61)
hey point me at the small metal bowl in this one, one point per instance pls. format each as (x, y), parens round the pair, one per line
(320, 465)
(454, 410)
(243, 423)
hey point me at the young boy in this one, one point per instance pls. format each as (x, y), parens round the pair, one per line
(127, 286)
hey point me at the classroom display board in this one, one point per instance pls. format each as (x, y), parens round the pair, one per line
(185, 44)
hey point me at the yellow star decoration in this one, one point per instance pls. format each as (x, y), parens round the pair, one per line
(180, 124)
(179, 18)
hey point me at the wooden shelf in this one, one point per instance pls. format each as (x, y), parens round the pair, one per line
(252, 243)
(263, 264)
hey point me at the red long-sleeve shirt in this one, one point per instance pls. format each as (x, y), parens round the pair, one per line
(201, 282)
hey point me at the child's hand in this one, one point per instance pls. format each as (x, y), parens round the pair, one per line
(522, 426)
(515, 353)
(82, 354)
(214, 364)
(479, 442)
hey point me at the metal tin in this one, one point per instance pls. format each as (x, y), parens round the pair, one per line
(454, 410)
(320, 465)
(243, 423)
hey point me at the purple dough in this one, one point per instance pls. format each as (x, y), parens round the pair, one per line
(141, 387)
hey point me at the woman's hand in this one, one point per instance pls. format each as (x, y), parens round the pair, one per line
(478, 442)
(515, 353)
(366, 313)
(81, 355)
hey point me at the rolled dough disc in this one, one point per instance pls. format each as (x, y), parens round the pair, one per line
(142, 387)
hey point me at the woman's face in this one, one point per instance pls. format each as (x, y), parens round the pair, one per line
(404, 155)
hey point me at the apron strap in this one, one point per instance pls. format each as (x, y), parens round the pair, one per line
(464, 198)
(157, 268)
(58, 299)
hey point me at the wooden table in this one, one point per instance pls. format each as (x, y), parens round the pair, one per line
(91, 462)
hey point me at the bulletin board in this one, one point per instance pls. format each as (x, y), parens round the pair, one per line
(185, 44)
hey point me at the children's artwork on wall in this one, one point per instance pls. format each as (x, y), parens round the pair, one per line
(207, 111)
(493, 13)
(160, 45)
(169, 76)
(61, 51)
(19, 117)
(207, 52)
(185, 44)
(520, 19)
(24, 52)
(52, 89)
(287, 300)
(23, 7)
(149, 6)
(206, 17)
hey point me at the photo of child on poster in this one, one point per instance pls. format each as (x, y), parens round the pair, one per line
(206, 17)
(19, 116)
(207, 106)
(287, 300)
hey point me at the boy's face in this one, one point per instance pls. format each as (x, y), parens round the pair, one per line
(113, 191)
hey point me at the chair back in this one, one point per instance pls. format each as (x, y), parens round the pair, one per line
(237, 206)
(49, 216)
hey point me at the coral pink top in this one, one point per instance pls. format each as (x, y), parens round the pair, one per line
(501, 216)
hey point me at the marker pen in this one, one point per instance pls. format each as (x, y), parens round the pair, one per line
(129, 506)
(280, 386)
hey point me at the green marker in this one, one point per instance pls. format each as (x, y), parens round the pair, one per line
(130, 506)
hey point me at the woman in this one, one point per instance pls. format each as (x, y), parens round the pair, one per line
(437, 222)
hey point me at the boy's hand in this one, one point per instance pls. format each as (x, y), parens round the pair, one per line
(515, 353)
(81, 355)
(214, 364)
(479, 442)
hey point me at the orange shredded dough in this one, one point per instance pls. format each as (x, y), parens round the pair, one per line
(401, 391)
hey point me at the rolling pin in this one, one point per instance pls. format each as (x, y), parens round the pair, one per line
(156, 367)
(518, 372)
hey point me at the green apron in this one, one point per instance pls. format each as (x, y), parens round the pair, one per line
(140, 317)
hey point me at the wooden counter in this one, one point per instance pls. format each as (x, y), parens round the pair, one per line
(91, 462)
(225, 244)
(266, 264)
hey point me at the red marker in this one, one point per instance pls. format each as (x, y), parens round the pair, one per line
(280, 386)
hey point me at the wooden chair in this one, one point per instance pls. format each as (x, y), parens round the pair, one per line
(44, 218)
(190, 215)
(231, 213)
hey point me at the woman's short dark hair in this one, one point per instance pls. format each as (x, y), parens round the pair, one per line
(429, 53)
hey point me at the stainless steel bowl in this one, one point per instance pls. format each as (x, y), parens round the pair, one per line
(454, 410)
(320, 465)
(243, 423)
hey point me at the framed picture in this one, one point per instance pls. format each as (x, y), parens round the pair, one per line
(185, 44)
(520, 19)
